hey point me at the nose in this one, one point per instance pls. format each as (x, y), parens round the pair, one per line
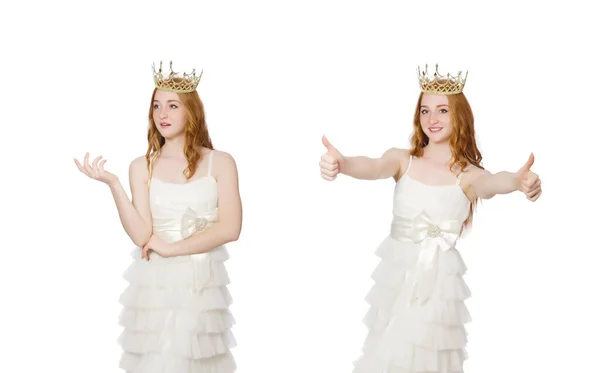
(433, 118)
(162, 114)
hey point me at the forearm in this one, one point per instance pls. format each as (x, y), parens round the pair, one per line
(500, 183)
(217, 235)
(136, 228)
(361, 167)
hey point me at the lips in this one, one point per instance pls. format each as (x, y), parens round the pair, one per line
(435, 129)
(165, 124)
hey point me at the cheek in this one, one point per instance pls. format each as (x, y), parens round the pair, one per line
(449, 126)
(181, 119)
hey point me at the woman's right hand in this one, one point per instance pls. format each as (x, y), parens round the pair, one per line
(96, 170)
(331, 162)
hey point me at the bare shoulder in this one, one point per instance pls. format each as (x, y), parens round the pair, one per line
(223, 159)
(474, 173)
(224, 164)
(398, 159)
(138, 168)
(139, 162)
(469, 178)
(396, 153)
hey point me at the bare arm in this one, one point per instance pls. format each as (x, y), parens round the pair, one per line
(360, 167)
(135, 214)
(365, 168)
(487, 185)
(229, 225)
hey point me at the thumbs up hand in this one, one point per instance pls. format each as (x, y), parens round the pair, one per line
(331, 162)
(528, 182)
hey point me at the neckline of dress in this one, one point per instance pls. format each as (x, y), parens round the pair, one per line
(457, 186)
(188, 183)
(429, 185)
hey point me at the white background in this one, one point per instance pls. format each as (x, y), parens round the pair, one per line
(277, 75)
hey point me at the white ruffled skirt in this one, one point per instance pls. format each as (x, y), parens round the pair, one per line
(176, 315)
(410, 337)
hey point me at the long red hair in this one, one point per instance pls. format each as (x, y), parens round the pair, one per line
(462, 140)
(196, 133)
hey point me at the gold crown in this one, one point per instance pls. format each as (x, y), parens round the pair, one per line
(175, 82)
(441, 84)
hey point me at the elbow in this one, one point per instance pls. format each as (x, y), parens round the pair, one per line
(142, 239)
(139, 243)
(234, 234)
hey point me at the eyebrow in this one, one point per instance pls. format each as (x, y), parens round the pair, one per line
(169, 101)
(436, 106)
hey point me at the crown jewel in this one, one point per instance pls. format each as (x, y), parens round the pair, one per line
(175, 82)
(441, 84)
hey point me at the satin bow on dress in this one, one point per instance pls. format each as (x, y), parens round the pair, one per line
(432, 237)
(192, 222)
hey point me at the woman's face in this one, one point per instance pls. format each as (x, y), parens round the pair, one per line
(168, 113)
(435, 118)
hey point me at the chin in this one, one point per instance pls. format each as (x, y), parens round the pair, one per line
(169, 133)
(164, 134)
(438, 139)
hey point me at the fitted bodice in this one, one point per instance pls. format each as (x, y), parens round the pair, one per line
(179, 209)
(439, 202)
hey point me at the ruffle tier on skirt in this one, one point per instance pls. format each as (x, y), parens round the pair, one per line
(407, 337)
(176, 315)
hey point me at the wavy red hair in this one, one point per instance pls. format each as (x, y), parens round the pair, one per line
(196, 133)
(462, 139)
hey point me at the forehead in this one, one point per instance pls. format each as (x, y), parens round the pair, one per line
(165, 95)
(430, 100)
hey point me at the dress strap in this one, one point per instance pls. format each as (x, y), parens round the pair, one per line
(210, 158)
(410, 158)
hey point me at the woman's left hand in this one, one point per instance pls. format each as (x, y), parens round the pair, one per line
(528, 181)
(159, 246)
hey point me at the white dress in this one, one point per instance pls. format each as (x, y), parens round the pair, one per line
(417, 314)
(175, 310)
